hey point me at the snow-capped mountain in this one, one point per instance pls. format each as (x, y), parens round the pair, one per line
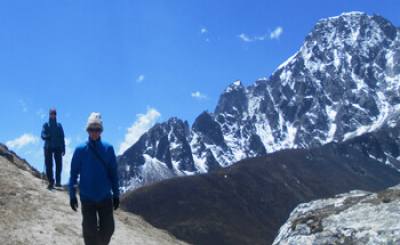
(343, 82)
(357, 217)
(248, 202)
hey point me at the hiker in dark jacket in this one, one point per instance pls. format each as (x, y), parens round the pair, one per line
(95, 164)
(54, 146)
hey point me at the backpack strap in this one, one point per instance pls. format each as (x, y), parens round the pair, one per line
(103, 162)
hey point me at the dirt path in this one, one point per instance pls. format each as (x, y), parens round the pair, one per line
(30, 214)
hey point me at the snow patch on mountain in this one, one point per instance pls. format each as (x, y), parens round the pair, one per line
(343, 82)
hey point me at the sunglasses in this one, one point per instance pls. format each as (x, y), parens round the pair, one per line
(94, 130)
(53, 113)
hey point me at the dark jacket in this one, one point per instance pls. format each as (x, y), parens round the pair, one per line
(96, 181)
(53, 135)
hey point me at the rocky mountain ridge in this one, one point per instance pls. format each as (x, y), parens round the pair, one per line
(343, 82)
(248, 202)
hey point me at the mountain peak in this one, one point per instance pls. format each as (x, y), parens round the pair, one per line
(342, 82)
(236, 85)
(356, 24)
(352, 13)
(345, 15)
(344, 22)
(233, 100)
(174, 120)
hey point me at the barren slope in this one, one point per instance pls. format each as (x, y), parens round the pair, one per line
(30, 214)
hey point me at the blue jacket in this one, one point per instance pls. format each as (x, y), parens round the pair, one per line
(53, 135)
(96, 183)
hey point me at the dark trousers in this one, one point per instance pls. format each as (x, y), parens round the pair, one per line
(98, 222)
(48, 158)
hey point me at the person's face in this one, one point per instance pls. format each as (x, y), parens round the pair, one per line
(94, 132)
(53, 115)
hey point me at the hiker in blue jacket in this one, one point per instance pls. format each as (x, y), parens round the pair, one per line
(95, 164)
(54, 146)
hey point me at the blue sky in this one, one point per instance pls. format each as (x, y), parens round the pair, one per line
(139, 62)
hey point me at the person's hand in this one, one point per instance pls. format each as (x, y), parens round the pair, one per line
(116, 202)
(73, 203)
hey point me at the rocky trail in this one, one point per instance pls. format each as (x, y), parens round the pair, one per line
(31, 214)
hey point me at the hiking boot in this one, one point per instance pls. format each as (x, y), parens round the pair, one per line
(50, 187)
(58, 185)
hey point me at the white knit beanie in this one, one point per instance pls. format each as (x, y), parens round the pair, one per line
(94, 120)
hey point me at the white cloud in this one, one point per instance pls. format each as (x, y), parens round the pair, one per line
(41, 113)
(140, 78)
(143, 123)
(22, 141)
(275, 34)
(28, 147)
(23, 105)
(68, 156)
(68, 149)
(198, 95)
(205, 34)
(244, 37)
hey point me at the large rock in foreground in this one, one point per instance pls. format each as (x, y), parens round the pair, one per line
(248, 202)
(357, 217)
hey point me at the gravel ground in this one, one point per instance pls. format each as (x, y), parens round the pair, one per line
(31, 214)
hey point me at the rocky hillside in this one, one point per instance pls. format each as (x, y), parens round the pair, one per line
(247, 202)
(30, 214)
(18, 161)
(343, 82)
(357, 218)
